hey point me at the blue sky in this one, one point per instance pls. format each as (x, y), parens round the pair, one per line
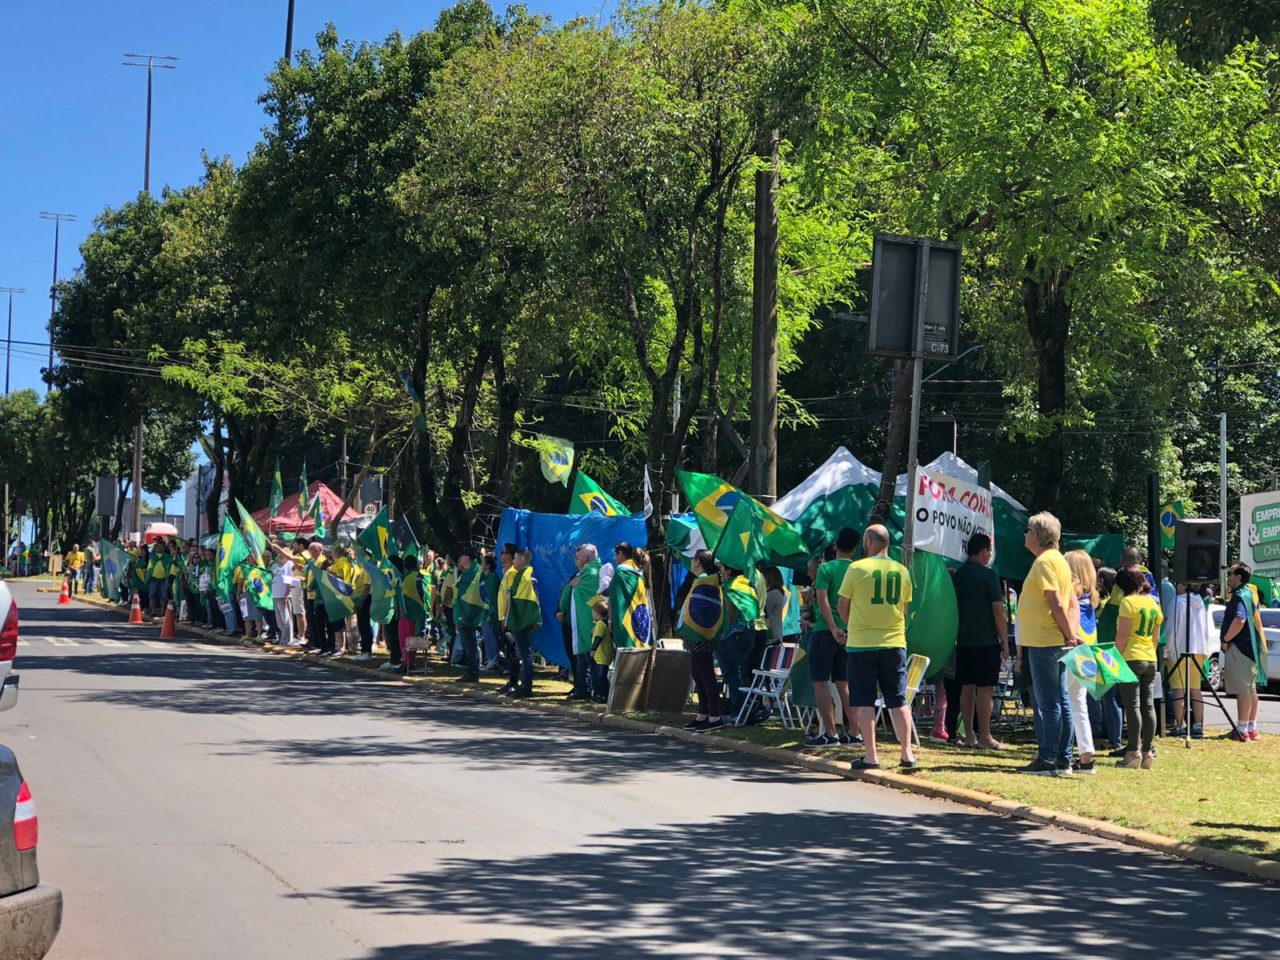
(72, 119)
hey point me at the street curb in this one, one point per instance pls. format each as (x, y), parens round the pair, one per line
(1240, 863)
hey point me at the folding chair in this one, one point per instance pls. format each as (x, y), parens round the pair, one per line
(917, 667)
(1008, 712)
(770, 682)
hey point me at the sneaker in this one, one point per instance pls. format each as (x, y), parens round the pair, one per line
(389, 666)
(1197, 731)
(1117, 753)
(1237, 735)
(1179, 730)
(1253, 734)
(1038, 768)
(715, 724)
(846, 740)
(821, 740)
(363, 658)
(1067, 771)
(696, 725)
(1088, 769)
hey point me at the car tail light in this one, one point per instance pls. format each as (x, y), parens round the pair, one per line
(26, 825)
(9, 634)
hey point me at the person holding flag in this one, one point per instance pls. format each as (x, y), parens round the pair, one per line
(320, 629)
(468, 612)
(524, 617)
(283, 580)
(699, 624)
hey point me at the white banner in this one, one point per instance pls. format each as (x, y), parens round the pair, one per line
(948, 512)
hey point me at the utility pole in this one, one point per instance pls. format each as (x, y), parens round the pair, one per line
(135, 60)
(764, 332)
(1222, 502)
(344, 464)
(8, 347)
(57, 219)
(288, 36)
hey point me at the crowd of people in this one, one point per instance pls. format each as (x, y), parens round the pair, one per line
(481, 611)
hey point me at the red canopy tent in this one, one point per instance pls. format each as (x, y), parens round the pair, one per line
(287, 519)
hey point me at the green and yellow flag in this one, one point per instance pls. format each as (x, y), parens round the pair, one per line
(629, 612)
(377, 538)
(524, 611)
(257, 584)
(1170, 514)
(277, 490)
(316, 513)
(415, 594)
(253, 534)
(384, 581)
(589, 497)
(702, 616)
(232, 551)
(419, 419)
(1098, 667)
(337, 595)
(557, 459)
(468, 605)
(304, 503)
(713, 500)
(742, 596)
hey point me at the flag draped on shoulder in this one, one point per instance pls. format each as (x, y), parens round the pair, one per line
(253, 535)
(578, 604)
(702, 615)
(742, 596)
(277, 490)
(415, 595)
(377, 539)
(468, 605)
(384, 582)
(629, 608)
(337, 595)
(232, 551)
(524, 611)
(589, 497)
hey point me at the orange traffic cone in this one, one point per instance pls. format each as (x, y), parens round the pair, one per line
(135, 611)
(65, 596)
(169, 629)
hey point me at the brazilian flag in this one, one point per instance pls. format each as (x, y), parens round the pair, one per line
(702, 615)
(742, 595)
(257, 584)
(384, 581)
(277, 490)
(629, 612)
(317, 514)
(232, 551)
(303, 502)
(713, 502)
(589, 497)
(1098, 668)
(377, 538)
(415, 593)
(524, 612)
(337, 595)
(253, 534)
(468, 605)
(419, 420)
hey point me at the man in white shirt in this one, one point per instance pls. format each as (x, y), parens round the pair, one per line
(1181, 641)
(282, 580)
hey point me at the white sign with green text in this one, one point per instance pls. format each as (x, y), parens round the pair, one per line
(1260, 531)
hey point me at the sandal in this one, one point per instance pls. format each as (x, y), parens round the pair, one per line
(994, 745)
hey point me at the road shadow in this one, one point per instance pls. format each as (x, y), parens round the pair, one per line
(817, 884)
(479, 735)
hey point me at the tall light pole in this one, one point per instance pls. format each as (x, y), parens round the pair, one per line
(147, 60)
(57, 219)
(8, 347)
(288, 36)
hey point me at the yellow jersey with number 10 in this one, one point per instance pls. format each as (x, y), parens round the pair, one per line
(878, 590)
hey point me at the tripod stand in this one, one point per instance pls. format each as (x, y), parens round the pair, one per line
(1188, 658)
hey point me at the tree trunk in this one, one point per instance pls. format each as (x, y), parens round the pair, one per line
(1048, 321)
(895, 443)
(438, 522)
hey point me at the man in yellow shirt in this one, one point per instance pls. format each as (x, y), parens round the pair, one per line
(1044, 634)
(75, 561)
(873, 605)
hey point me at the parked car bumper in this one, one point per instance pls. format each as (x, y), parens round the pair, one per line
(29, 922)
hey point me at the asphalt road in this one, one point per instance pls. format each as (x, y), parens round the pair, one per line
(197, 802)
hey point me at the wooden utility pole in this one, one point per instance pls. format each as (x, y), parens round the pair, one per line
(764, 333)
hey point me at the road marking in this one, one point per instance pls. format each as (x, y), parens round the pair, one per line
(24, 643)
(62, 642)
(209, 647)
(157, 645)
(109, 643)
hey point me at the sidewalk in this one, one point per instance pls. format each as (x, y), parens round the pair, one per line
(1206, 834)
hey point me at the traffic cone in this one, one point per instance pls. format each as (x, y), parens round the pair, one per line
(65, 596)
(169, 629)
(135, 611)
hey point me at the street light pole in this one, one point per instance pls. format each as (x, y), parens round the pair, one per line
(8, 347)
(57, 219)
(134, 60)
(288, 36)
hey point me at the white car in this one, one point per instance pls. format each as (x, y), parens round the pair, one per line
(8, 648)
(1270, 627)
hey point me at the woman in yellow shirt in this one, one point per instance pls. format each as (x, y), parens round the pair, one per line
(1136, 633)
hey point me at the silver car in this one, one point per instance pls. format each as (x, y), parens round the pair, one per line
(1270, 627)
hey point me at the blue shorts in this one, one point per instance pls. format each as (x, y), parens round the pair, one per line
(158, 590)
(886, 669)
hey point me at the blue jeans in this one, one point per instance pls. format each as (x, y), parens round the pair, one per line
(466, 638)
(524, 647)
(599, 681)
(1112, 714)
(1052, 703)
(582, 673)
(489, 634)
(733, 649)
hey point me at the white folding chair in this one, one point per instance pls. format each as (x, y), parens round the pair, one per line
(770, 682)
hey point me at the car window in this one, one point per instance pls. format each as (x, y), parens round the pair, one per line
(1270, 618)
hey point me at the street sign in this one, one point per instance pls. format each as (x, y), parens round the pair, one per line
(907, 272)
(1260, 531)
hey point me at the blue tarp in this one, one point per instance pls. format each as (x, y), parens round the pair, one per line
(555, 539)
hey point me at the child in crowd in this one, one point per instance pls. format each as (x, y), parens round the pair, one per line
(601, 652)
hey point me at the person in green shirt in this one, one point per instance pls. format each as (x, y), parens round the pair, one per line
(490, 584)
(827, 656)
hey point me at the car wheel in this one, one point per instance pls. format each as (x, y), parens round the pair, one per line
(1215, 673)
